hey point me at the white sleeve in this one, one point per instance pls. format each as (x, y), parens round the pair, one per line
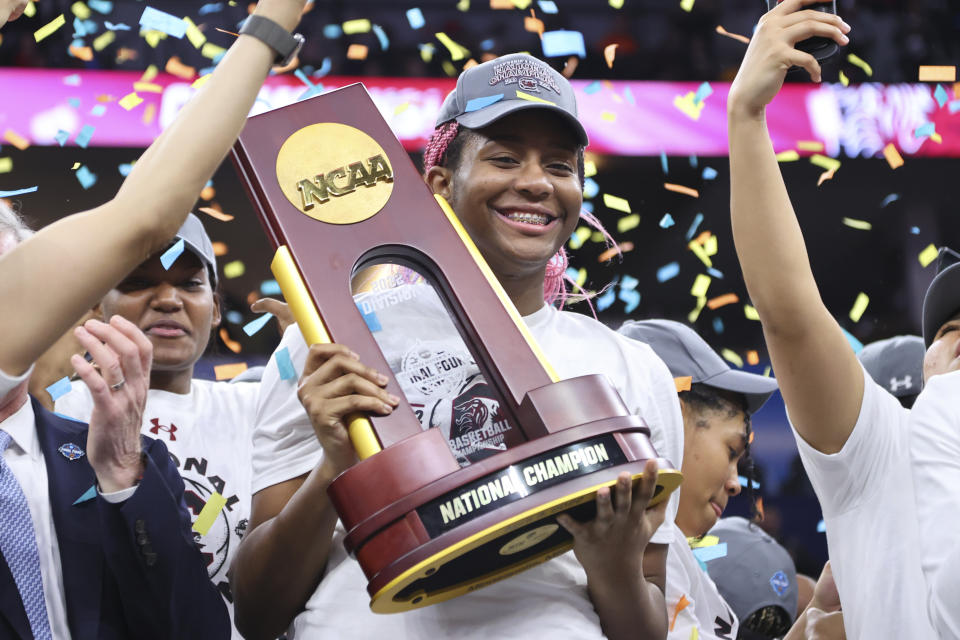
(848, 478)
(935, 453)
(682, 620)
(8, 383)
(284, 444)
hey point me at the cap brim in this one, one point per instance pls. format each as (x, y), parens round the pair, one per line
(941, 302)
(197, 251)
(490, 114)
(757, 389)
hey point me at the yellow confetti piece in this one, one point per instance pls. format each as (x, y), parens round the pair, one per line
(788, 156)
(589, 169)
(687, 5)
(457, 52)
(234, 269)
(581, 235)
(936, 137)
(209, 513)
(49, 28)
(863, 225)
(361, 25)
(809, 145)
(448, 68)
(698, 251)
(859, 306)
(147, 87)
(149, 113)
(844, 80)
(609, 116)
(733, 357)
(614, 202)
(705, 541)
(153, 37)
(30, 10)
(522, 4)
(616, 4)
(824, 162)
(16, 139)
(688, 105)
(626, 223)
(894, 159)
(750, 312)
(710, 245)
(196, 37)
(609, 53)
(700, 286)
(130, 101)
(928, 73)
(693, 315)
(104, 40)
(357, 52)
(202, 80)
(857, 61)
(928, 255)
(533, 98)
(694, 634)
(581, 277)
(80, 10)
(211, 50)
(76, 165)
(463, 5)
(228, 371)
(150, 73)
(596, 236)
(400, 108)
(6, 165)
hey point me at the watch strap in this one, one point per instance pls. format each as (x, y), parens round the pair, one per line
(273, 35)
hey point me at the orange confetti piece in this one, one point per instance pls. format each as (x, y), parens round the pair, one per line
(703, 237)
(679, 188)
(760, 508)
(609, 52)
(753, 358)
(894, 159)
(826, 175)
(683, 383)
(937, 74)
(149, 113)
(208, 193)
(233, 345)
(357, 52)
(502, 4)
(722, 301)
(214, 213)
(735, 36)
(533, 24)
(682, 604)
(750, 439)
(81, 53)
(177, 68)
(623, 247)
(570, 66)
(227, 371)
(220, 249)
(16, 139)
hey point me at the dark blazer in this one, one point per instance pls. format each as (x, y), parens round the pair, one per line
(130, 570)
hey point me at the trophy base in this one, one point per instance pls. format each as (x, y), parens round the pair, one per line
(451, 567)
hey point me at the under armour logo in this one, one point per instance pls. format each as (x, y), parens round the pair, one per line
(157, 427)
(896, 385)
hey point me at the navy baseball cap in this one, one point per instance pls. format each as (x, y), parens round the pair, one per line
(489, 91)
(942, 300)
(687, 354)
(896, 364)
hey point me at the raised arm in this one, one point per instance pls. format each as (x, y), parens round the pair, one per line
(801, 335)
(62, 271)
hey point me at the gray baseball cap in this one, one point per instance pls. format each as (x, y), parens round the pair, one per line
(942, 300)
(489, 91)
(195, 239)
(896, 364)
(687, 354)
(755, 575)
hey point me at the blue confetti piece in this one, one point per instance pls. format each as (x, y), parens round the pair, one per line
(954, 106)
(270, 288)
(563, 43)
(381, 36)
(98, 110)
(170, 255)
(593, 87)
(715, 273)
(571, 274)
(125, 168)
(893, 197)
(718, 325)
(60, 415)
(663, 163)
(706, 554)
(487, 44)
(694, 226)
(668, 271)
(332, 31)
(915, 230)
(606, 299)
(205, 71)
(234, 316)
(73, 80)
(303, 77)
(324, 69)
(821, 527)
(666, 221)
(315, 90)
(709, 173)
(74, 102)
(628, 95)
(211, 7)
(285, 364)
(703, 92)
(17, 192)
(485, 101)
(59, 388)
(254, 326)
(547, 6)
(415, 18)
(590, 188)
(373, 323)
(743, 482)
(83, 138)
(87, 495)
(86, 177)
(629, 282)
(62, 137)
(116, 27)
(926, 129)
(632, 298)
(101, 6)
(693, 162)
(941, 95)
(83, 28)
(856, 344)
(162, 21)
(587, 206)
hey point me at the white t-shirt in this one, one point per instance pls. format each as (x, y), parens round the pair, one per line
(866, 493)
(935, 451)
(208, 433)
(437, 374)
(693, 601)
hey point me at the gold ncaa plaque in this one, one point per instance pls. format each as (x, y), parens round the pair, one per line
(334, 173)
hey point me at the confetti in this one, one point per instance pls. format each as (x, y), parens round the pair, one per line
(86, 177)
(415, 18)
(6, 165)
(844, 80)
(233, 345)
(687, 5)
(700, 286)
(682, 604)
(381, 37)
(690, 107)
(821, 527)
(666, 221)
(16, 139)
(484, 101)
(854, 343)
(788, 156)
(49, 28)
(940, 94)
(593, 87)
(626, 223)
(616, 4)
(609, 116)
(214, 213)
(703, 92)
(194, 35)
(623, 247)
(735, 36)
(721, 301)
(17, 192)
(937, 74)
(59, 388)
(270, 288)
(632, 298)
(744, 482)
(156, 20)
(732, 357)
(170, 255)
(857, 61)
(607, 298)
(663, 163)
(285, 364)
(616, 203)
(668, 271)
(753, 358)
(859, 306)
(589, 168)
(709, 173)
(706, 554)
(357, 52)
(824, 162)
(533, 24)
(208, 515)
(177, 68)
(130, 101)
(677, 188)
(579, 237)
(563, 43)
(809, 145)
(234, 269)
(254, 326)
(694, 225)
(682, 383)
(547, 6)
(928, 255)
(104, 40)
(101, 6)
(894, 159)
(863, 225)
(924, 130)
(609, 53)
(83, 138)
(80, 10)
(457, 52)
(227, 371)
(351, 27)
(693, 315)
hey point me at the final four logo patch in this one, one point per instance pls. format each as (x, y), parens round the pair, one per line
(71, 451)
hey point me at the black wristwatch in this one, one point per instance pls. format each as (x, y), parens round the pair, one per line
(286, 44)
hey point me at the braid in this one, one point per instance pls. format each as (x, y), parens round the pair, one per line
(438, 143)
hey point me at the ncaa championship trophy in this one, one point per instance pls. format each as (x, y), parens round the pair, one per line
(338, 194)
